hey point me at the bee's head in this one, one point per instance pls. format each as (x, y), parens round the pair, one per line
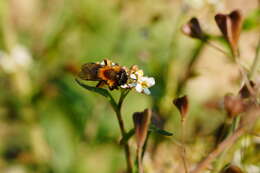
(121, 77)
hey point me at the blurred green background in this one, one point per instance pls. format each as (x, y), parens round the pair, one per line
(50, 124)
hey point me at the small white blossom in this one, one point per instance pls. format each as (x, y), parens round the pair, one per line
(138, 81)
(18, 58)
(133, 76)
(143, 84)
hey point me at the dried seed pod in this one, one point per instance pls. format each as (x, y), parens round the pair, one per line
(193, 29)
(234, 105)
(141, 123)
(251, 115)
(230, 25)
(246, 92)
(183, 105)
(232, 169)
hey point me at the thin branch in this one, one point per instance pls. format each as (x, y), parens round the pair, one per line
(126, 145)
(123, 132)
(256, 62)
(217, 48)
(249, 119)
(183, 153)
(245, 77)
(139, 160)
(190, 67)
(220, 148)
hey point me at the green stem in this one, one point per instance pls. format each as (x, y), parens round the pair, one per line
(145, 144)
(117, 110)
(256, 62)
(183, 147)
(217, 48)
(139, 159)
(124, 93)
(190, 67)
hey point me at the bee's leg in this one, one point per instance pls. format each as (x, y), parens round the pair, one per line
(101, 84)
(113, 87)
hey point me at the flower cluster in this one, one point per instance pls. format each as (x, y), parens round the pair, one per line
(138, 81)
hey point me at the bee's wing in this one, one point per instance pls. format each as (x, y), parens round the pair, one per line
(89, 71)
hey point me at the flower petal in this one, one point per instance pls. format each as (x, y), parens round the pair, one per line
(124, 86)
(139, 88)
(132, 76)
(131, 85)
(151, 81)
(146, 91)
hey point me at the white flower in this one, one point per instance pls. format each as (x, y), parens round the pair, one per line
(18, 58)
(21, 56)
(138, 81)
(143, 84)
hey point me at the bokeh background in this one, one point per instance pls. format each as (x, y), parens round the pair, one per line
(49, 124)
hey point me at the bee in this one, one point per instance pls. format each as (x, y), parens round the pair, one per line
(107, 73)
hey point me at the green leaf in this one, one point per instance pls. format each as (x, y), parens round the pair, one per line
(155, 129)
(100, 91)
(127, 136)
(152, 128)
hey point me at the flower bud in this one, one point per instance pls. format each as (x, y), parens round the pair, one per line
(232, 169)
(141, 124)
(182, 105)
(234, 105)
(246, 92)
(230, 26)
(193, 29)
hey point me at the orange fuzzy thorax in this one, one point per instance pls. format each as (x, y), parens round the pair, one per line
(108, 74)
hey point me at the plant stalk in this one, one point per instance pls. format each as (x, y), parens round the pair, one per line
(217, 48)
(256, 62)
(183, 152)
(190, 67)
(245, 124)
(139, 160)
(231, 130)
(117, 110)
(219, 149)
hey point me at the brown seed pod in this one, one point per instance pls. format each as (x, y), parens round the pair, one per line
(230, 25)
(193, 29)
(234, 105)
(141, 123)
(246, 91)
(183, 105)
(232, 169)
